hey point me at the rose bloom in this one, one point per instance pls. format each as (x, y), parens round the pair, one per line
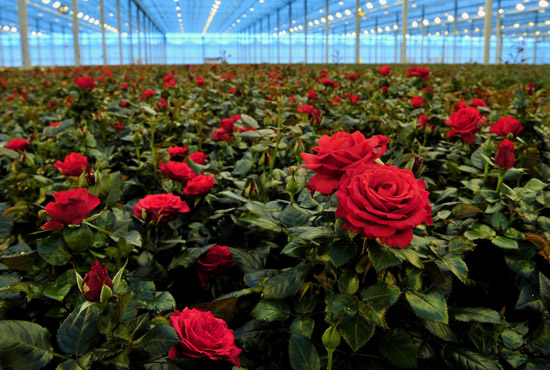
(465, 122)
(162, 104)
(336, 100)
(18, 145)
(417, 101)
(233, 90)
(160, 208)
(228, 124)
(213, 262)
(505, 157)
(221, 135)
(177, 151)
(94, 280)
(198, 157)
(351, 76)
(353, 99)
(70, 208)
(170, 83)
(421, 72)
(384, 70)
(73, 165)
(476, 102)
(312, 95)
(309, 110)
(199, 185)
(199, 81)
(327, 81)
(54, 124)
(179, 171)
(85, 83)
(147, 94)
(383, 201)
(385, 89)
(118, 126)
(203, 335)
(338, 153)
(507, 125)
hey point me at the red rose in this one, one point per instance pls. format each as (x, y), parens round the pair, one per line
(531, 88)
(54, 124)
(118, 126)
(160, 208)
(384, 70)
(221, 135)
(73, 165)
(70, 208)
(213, 262)
(228, 124)
(338, 153)
(85, 83)
(505, 157)
(94, 280)
(465, 122)
(162, 104)
(147, 94)
(461, 104)
(417, 101)
(327, 81)
(383, 202)
(353, 99)
(18, 145)
(199, 185)
(336, 100)
(198, 157)
(233, 90)
(507, 125)
(421, 72)
(309, 110)
(422, 121)
(476, 102)
(312, 95)
(203, 335)
(199, 81)
(351, 76)
(170, 83)
(124, 86)
(176, 151)
(123, 103)
(385, 89)
(179, 171)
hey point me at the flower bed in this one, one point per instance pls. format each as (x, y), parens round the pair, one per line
(274, 217)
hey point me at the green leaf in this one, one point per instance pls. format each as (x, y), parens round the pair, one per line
(144, 290)
(398, 347)
(188, 257)
(460, 245)
(302, 326)
(249, 121)
(24, 345)
(302, 354)
(340, 305)
(242, 167)
(163, 301)
(6, 222)
(53, 251)
(428, 306)
(382, 258)
(271, 310)
(342, 251)
(356, 331)
(373, 312)
(381, 293)
(479, 314)
(499, 221)
(78, 333)
(156, 343)
(538, 343)
(78, 239)
(511, 339)
(293, 216)
(111, 188)
(459, 358)
(514, 358)
(249, 261)
(457, 266)
(544, 288)
(286, 283)
(534, 185)
(263, 223)
(480, 231)
(505, 243)
(348, 282)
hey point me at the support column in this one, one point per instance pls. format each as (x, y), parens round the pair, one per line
(487, 31)
(422, 36)
(498, 56)
(24, 32)
(140, 60)
(404, 30)
(52, 45)
(455, 31)
(255, 43)
(326, 31)
(269, 38)
(102, 25)
(261, 42)
(119, 29)
(130, 33)
(38, 43)
(357, 33)
(76, 31)
(305, 30)
(289, 32)
(278, 37)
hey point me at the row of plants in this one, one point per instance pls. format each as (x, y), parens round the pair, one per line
(274, 217)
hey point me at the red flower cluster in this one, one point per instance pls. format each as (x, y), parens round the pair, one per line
(310, 111)
(465, 122)
(417, 101)
(384, 70)
(147, 94)
(506, 126)
(73, 165)
(160, 208)
(18, 145)
(227, 127)
(70, 208)
(421, 72)
(85, 83)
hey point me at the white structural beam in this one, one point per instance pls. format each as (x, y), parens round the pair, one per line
(131, 34)
(326, 31)
(119, 29)
(102, 25)
(357, 33)
(76, 43)
(24, 32)
(404, 30)
(487, 31)
(305, 30)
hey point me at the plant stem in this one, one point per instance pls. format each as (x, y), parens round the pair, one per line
(279, 137)
(501, 173)
(329, 359)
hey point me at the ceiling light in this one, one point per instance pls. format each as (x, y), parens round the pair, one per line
(481, 13)
(414, 24)
(437, 20)
(382, 2)
(347, 11)
(338, 15)
(543, 3)
(251, 9)
(425, 22)
(520, 7)
(56, 5)
(45, 1)
(450, 18)
(369, 5)
(465, 15)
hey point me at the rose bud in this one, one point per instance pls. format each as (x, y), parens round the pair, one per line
(93, 282)
(213, 262)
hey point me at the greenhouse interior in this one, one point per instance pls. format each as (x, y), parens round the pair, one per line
(110, 32)
(274, 185)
